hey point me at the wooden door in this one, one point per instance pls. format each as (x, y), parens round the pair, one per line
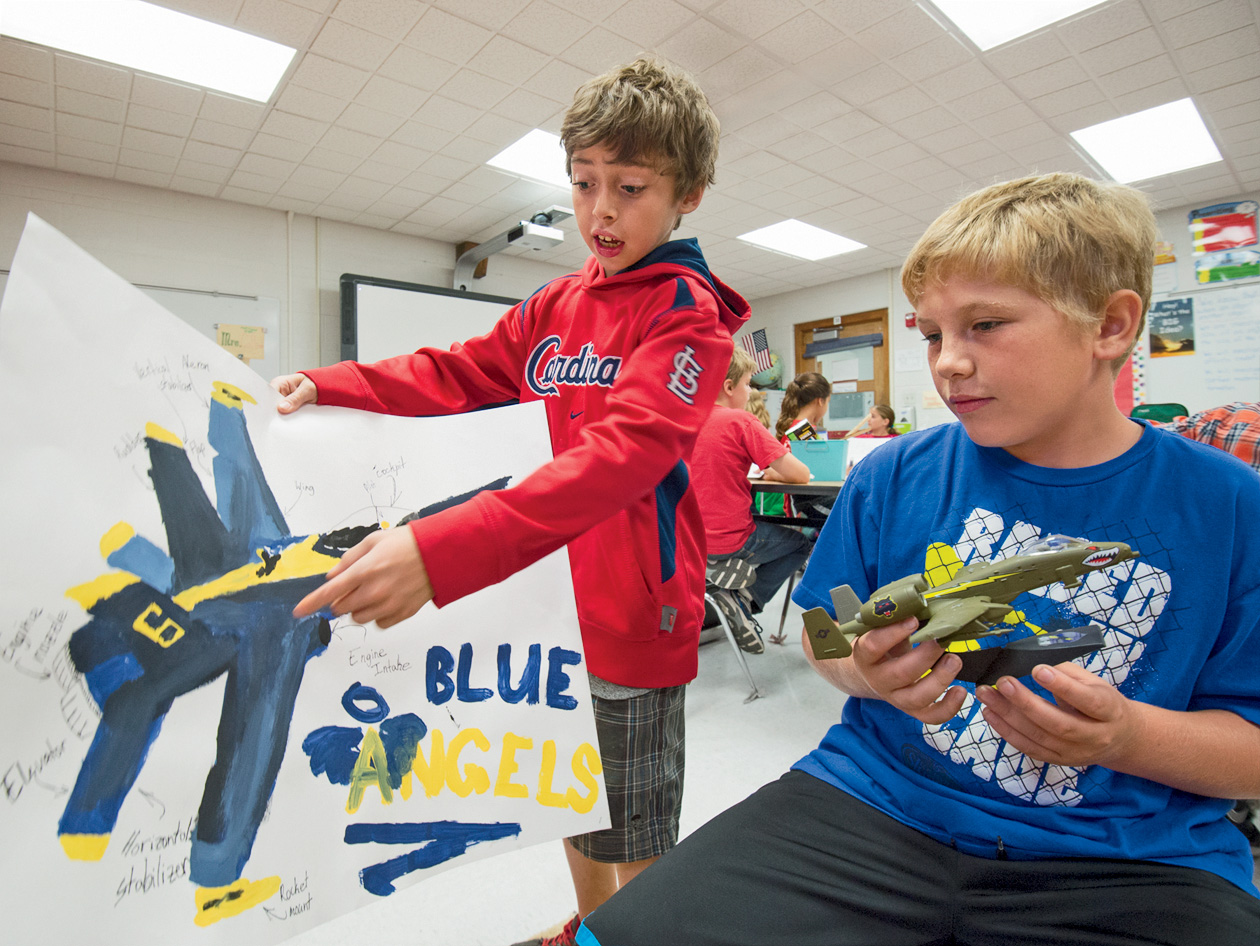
(851, 326)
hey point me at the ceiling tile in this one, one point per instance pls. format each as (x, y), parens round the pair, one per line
(95, 77)
(1127, 51)
(1132, 78)
(557, 80)
(446, 114)
(338, 163)
(1235, 43)
(23, 59)
(907, 28)
(369, 121)
(899, 105)
(200, 171)
(443, 34)
(349, 141)
(74, 102)
(647, 22)
(1025, 55)
(491, 14)
(231, 111)
(35, 140)
(596, 50)
(220, 134)
(26, 91)
(1103, 24)
(211, 154)
(138, 139)
(284, 125)
(872, 84)
(159, 120)
(752, 18)
(699, 44)
(1047, 79)
(802, 37)
(743, 68)
(934, 56)
(326, 75)
(856, 15)
(344, 43)
(74, 126)
(280, 22)
(76, 148)
(417, 68)
(390, 18)
(547, 27)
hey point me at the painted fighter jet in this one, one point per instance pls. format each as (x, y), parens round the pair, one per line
(969, 604)
(218, 601)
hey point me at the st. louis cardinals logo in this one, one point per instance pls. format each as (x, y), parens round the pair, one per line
(547, 368)
(685, 381)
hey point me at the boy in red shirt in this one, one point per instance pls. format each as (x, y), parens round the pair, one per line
(626, 354)
(729, 443)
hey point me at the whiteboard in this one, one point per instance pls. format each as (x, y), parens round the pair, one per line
(207, 311)
(1225, 363)
(381, 318)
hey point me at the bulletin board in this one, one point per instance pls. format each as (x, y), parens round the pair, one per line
(1223, 364)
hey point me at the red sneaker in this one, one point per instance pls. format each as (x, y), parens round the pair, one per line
(566, 937)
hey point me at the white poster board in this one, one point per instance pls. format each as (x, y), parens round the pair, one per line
(186, 762)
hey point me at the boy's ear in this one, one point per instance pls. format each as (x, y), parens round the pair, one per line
(691, 201)
(1122, 317)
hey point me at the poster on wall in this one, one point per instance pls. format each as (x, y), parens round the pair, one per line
(185, 761)
(1224, 238)
(1170, 325)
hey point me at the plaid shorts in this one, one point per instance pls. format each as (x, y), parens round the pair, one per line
(641, 744)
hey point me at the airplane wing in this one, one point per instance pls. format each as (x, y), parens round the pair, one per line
(960, 619)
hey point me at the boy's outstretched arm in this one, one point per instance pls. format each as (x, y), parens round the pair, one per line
(1209, 752)
(883, 666)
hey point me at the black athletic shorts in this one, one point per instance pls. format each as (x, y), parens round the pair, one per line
(801, 863)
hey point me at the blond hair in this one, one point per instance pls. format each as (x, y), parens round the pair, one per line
(1066, 239)
(757, 407)
(741, 364)
(647, 112)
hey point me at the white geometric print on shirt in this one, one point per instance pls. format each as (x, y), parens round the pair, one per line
(1125, 601)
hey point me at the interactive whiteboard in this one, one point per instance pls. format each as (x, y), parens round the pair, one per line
(381, 318)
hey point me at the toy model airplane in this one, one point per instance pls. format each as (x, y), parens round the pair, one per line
(969, 604)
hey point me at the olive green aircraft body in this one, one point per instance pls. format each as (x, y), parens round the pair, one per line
(969, 604)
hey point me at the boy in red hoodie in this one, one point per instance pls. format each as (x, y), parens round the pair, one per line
(629, 355)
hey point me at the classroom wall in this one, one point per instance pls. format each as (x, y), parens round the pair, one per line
(1168, 379)
(166, 238)
(185, 241)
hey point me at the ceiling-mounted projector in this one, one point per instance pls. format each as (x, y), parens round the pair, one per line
(535, 233)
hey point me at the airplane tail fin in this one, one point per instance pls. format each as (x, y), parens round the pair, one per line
(846, 603)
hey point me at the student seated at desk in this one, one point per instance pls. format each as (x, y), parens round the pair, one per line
(730, 441)
(805, 403)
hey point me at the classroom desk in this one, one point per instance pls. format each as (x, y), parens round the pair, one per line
(824, 488)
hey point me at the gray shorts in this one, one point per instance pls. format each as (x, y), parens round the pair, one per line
(641, 744)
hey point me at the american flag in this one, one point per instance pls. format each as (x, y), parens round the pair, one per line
(756, 345)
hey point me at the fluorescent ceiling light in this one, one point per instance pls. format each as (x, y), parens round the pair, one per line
(152, 39)
(802, 240)
(538, 156)
(1160, 140)
(990, 23)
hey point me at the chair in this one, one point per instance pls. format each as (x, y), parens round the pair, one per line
(730, 575)
(709, 603)
(1160, 413)
(787, 600)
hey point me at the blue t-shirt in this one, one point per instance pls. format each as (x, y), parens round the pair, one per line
(1181, 630)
